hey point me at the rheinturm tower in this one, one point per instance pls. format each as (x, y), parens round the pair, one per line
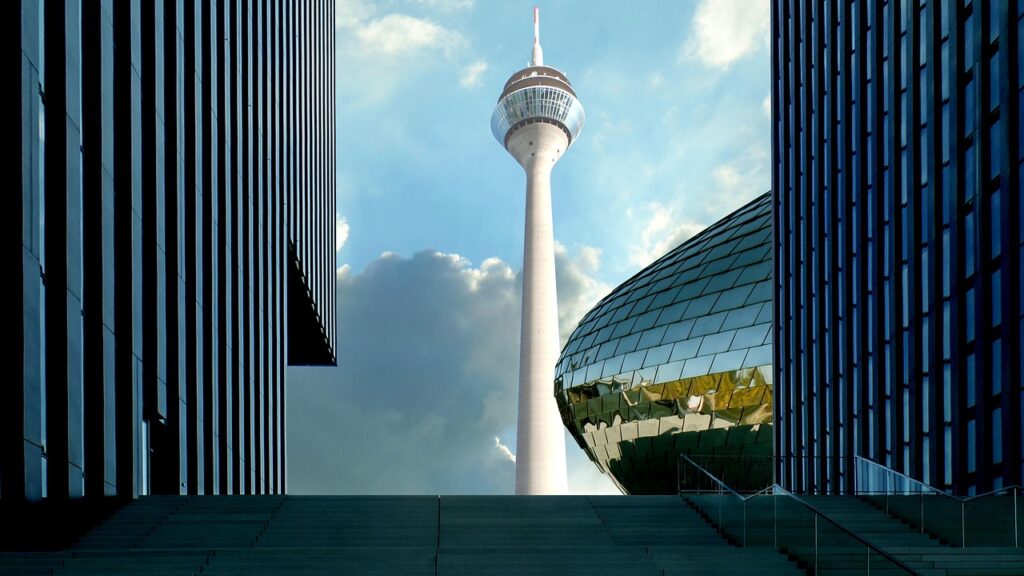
(537, 118)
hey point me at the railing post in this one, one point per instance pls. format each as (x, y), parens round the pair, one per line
(775, 518)
(922, 512)
(887, 490)
(816, 544)
(857, 474)
(854, 475)
(437, 544)
(963, 527)
(744, 524)
(1016, 540)
(721, 496)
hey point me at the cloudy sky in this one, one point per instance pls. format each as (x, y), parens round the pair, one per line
(430, 214)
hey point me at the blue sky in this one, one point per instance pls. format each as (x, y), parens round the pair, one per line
(430, 212)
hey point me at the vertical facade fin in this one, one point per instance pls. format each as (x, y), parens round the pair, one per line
(164, 214)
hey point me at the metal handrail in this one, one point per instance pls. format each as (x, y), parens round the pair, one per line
(858, 458)
(963, 520)
(858, 537)
(938, 491)
(776, 489)
(721, 483)
(963, 500)
(1016, 487)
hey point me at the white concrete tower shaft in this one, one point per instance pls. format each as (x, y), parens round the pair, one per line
(540, 445)
(536, 119)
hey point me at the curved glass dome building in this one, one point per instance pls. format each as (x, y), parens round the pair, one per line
(678, 359)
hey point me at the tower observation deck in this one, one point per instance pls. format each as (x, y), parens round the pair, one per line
(536, 119)
(537, 94)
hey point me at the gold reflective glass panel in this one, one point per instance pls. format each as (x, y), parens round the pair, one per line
(677, 359)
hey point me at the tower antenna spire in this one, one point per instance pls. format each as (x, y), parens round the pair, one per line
(538, 54)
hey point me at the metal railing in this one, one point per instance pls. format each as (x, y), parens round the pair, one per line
(743, 474)
(989, 519)
(775, 517)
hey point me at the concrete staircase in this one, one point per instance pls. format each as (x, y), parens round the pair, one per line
(791, 527)
(679, 547)
(912, 546)
(456, 535)
(987, 521)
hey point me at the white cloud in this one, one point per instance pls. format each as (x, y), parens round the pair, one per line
(351, 13)
(576, 273)
(727, 176)
(341, 230)
(767, 105)
(740, 180)
(504, 450)
(394, 34)
(658, 227)
(723, 31)
(398, 34)
(428, 351)
(447, 5)
(662, 228)
(387, 46)
(472, 74)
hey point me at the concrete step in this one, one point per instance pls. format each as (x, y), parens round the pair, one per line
(404, 535)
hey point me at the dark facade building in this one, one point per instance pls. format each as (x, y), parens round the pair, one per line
(677, 360)
(169, 223)
(897, 179)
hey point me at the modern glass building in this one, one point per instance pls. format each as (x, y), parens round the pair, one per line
(678, 358)
(897, 178)
(169, 222)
